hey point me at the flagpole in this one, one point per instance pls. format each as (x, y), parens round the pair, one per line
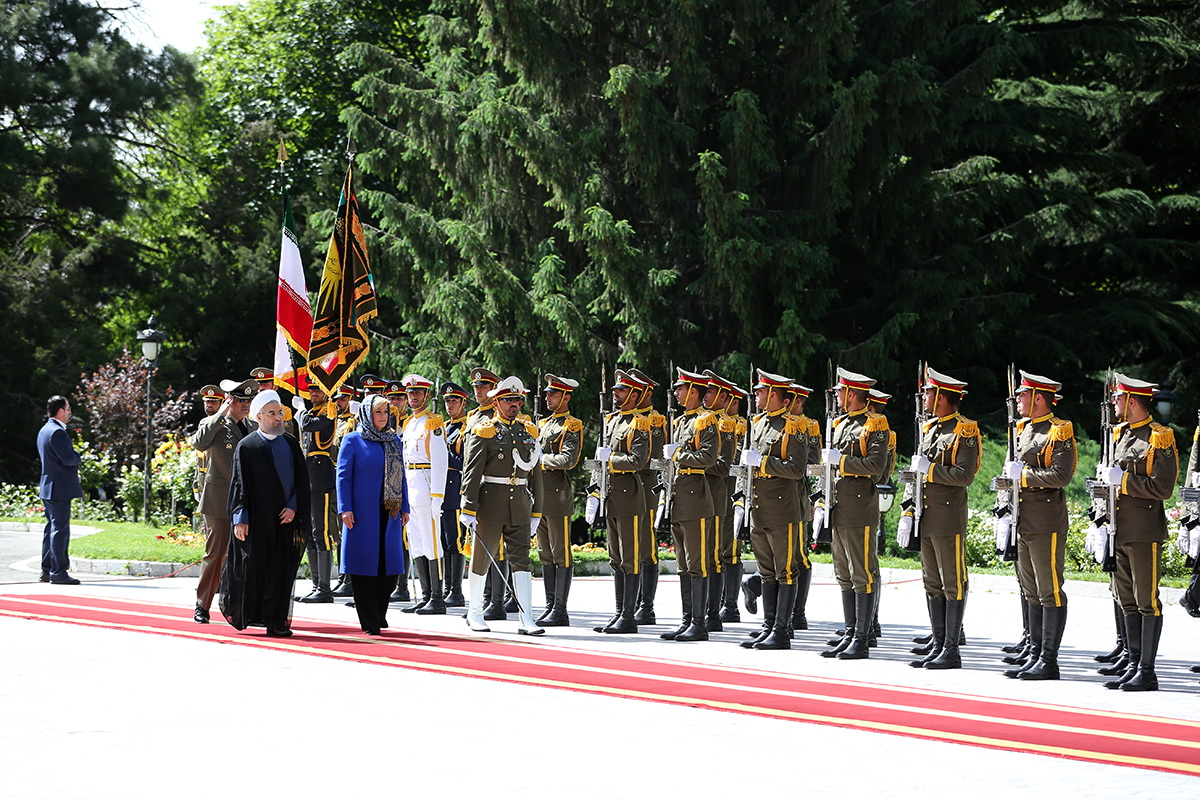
(282, 157)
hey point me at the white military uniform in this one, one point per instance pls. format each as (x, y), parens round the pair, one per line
(424, 442)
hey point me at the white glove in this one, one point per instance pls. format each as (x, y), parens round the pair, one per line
(1013, 470)
(920, 464)
(751, 457)
(818, 519)
(1099, 536)
(1194, 547)
(436, 506)
(604, 454)
(1113, 476)
(904, 531)
(831, 457)
(469, 521)
(1003, 529)
(669, 450)
(1183, 540)
(739, 516)
(592, 509)
(534, 522)
(298, 403)
(1195, 481)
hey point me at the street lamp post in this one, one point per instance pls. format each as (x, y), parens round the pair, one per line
(151, 340)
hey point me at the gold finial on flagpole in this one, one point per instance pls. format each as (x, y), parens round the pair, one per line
(282, 152)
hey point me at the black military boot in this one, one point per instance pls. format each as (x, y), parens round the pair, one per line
(770, 603)
(864, 611)
(950, 658)
(695, 631)
(876, 630)
(455, 565)
(421, 568)
(494, 609)
(1144, 680)
(848, 610)
(647, 589)
(1020, 646)
(436, 604)
(732, 582)
(1030, 655)
(715, 584)
(937, 624)
(803, 584)
(779, 637)
(685, 595)
(323, 560)
(624, 622)
(1133, 647)
(343, 588)
(1114, 655)
(751, 591)
(1054, 622)
(558, 617)
(401, 594)
(619, 579)
(510, 600)
(549, 571)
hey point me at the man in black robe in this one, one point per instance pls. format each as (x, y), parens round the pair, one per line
(269, 506)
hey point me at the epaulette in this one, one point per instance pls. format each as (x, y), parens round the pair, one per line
(485, 429)
(814, 428)
(641, 423)
(657, 420)
(433, 422)
(1196, 435)
(928, 424)
(793, 426)
(706, 420)
(530, 428)
(524, 417)
(875, 422)
(1161, 437)
(1061, 430)
(572, 424)
(1021, 423)
(727, 425)
(741, 427)
(891, 440)
(966, 427)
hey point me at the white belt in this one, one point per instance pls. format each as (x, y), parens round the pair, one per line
(508, 481)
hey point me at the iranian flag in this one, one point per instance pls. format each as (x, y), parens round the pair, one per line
(293, 315)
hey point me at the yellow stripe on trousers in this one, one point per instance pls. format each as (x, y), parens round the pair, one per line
(566, 539)
(703, 551)
(867, 559)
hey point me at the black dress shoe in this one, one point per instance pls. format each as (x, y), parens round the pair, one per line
(67, 581)
(279, 633)
(44, 577)
(200, 615)
(372, 632)
(316, 597)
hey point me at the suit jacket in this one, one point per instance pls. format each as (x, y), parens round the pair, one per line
(60, 463)
(217, 436)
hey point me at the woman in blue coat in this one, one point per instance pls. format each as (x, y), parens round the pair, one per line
(374, 511)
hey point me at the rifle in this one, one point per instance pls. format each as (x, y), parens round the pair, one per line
(1104, 497)
(666, 479)
(600, 472)
(916, 502)
(744, 491)
(1008, 493)
(830, 410)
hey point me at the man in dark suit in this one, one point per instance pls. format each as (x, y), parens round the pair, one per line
(60, 484)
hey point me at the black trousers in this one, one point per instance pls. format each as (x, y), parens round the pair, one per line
(371, 593)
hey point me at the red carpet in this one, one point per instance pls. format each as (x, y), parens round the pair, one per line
(1107, 737)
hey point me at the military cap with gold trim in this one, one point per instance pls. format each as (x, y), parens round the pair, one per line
(416, 383)
(800, 390)
(716, 380)
(373, 384)
(627, 379)
(1123, 384)
(452, 389)
(394, 389)
(262, 375)
(346, 390)
(1039, 383)
(876, 396)
(769, 380)
(557, 384)
(509, 387)
(943, 382)
(481, 375)
(245, 390)
(855, 381)
(644, 378)
(212, 392)
(684, 378)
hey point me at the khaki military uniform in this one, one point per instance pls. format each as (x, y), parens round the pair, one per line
(696, 432)
(862, 439)
(776, 515)
(952, 445)
(501, 492)
(648, 545)
(625, 507)
(1046, 446)
(216, 436)
(718, 488)
(730, 555)
(1147, 453)
(561, 440)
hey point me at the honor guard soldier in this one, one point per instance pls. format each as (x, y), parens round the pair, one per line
(1147, 464)
(857, 451)
(560, 437)
(483, 381)
(218, 436)
(733, 574)
(948, 460)
(723, 542)
(695, 446)
(423, 441)
(265, 378)
(811, 431)
(877, 404)
(647, 527)
(211, 398)
(454, 400)
(624, 452)
(501, 500)
(777, 457)
(318, 431)
(1045, 463)
(397, 397)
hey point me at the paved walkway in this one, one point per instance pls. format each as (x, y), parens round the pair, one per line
(90, 713)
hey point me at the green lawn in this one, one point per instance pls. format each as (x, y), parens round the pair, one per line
(131, 541)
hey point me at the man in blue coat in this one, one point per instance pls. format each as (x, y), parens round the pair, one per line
(59, 486)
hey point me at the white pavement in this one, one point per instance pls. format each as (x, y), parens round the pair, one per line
(90, 713)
